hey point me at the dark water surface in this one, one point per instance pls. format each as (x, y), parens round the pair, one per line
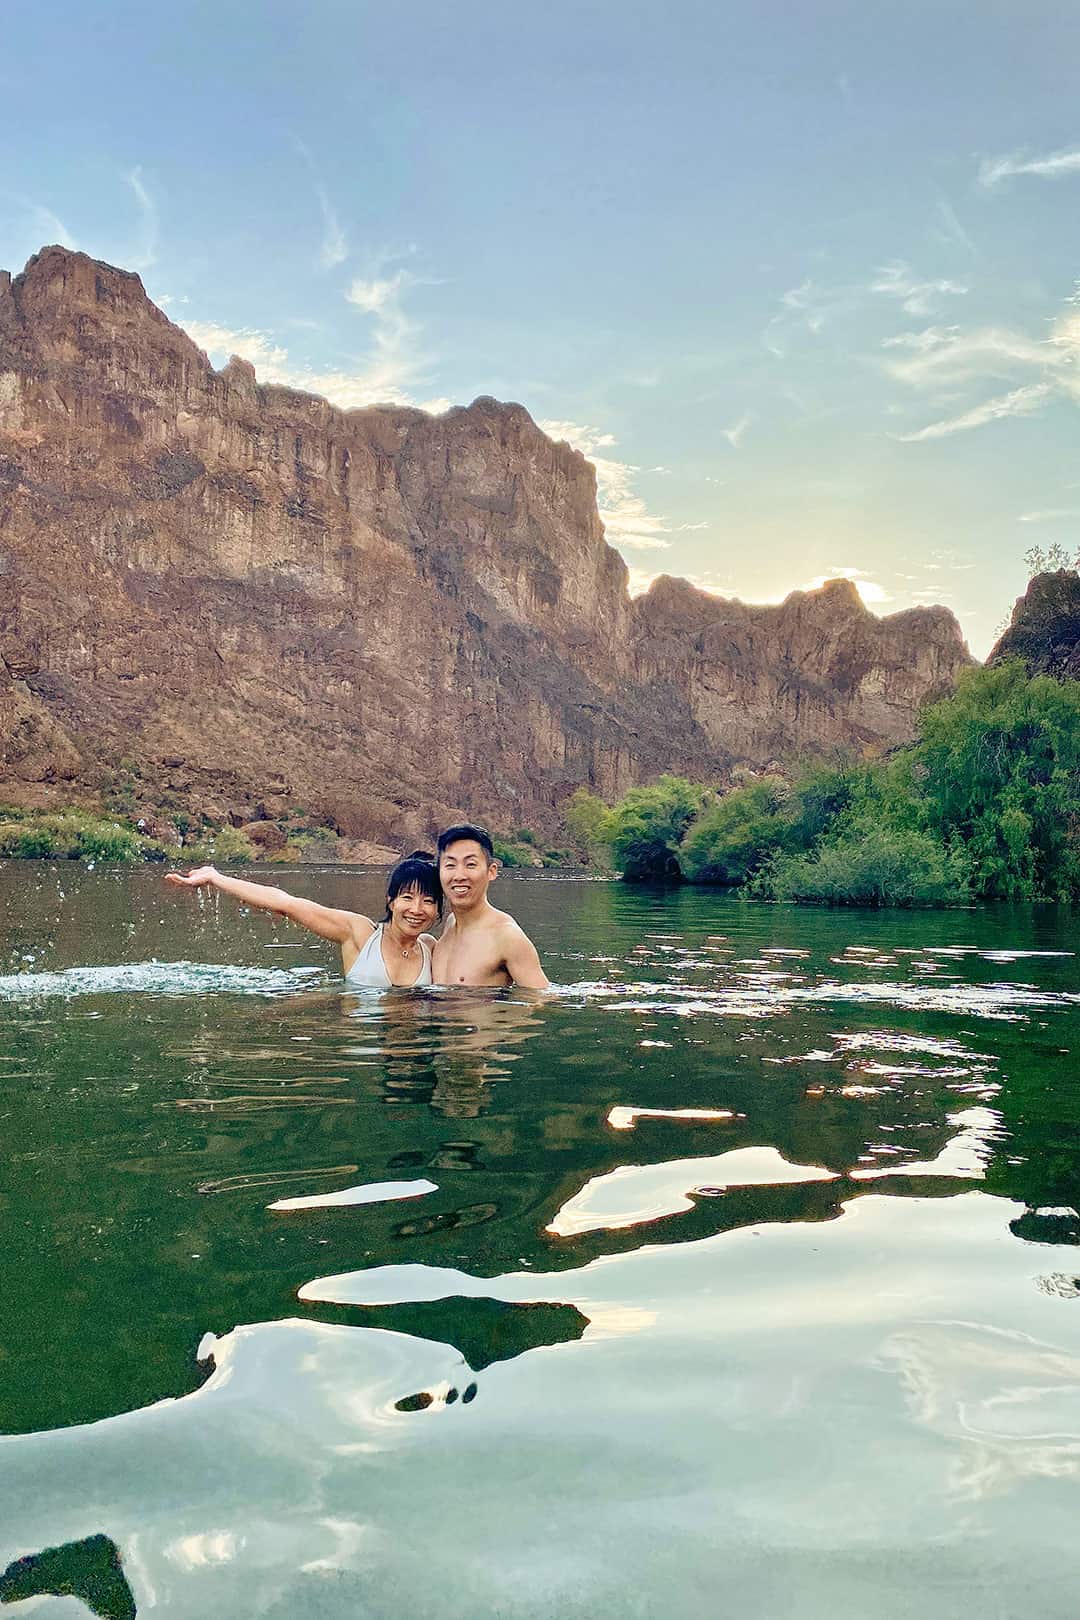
(800, 1338)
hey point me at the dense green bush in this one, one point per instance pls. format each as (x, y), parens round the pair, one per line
(233, 848)
(871, 864)
(985, 805)
(732, 837)
(70, 835)
(647, 827)
(587, 820)
(1000, 764)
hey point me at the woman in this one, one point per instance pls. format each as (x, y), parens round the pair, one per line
(392, 954)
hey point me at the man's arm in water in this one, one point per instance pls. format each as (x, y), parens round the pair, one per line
(522, 961)
(328, 923)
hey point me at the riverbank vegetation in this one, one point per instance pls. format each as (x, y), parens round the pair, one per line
(984, 805)
(83, 835)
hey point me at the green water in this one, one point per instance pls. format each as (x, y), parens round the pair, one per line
(816, 1357)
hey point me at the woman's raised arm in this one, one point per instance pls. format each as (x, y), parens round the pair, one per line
(328, 923)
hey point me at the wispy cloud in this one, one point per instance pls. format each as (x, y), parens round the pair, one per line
(396, 362)
(42, 226)
(1018, 402)
(734, 434)
(931, 337)
(807, 309)
(950, 362)
(334, 247)
(393, 374)
(952, 230)
(270, 359)
(1052, 514)
(916, 297)
(145, 257)
(624, 512)
(50, 227)
(804, 310)
(953, 356)
(1054, 166)
(958, 562)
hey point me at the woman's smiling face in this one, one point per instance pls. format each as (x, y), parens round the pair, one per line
(412, 912)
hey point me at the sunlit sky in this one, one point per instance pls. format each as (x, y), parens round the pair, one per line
(801, 280)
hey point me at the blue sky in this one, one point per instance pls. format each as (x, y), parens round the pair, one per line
(801, 280)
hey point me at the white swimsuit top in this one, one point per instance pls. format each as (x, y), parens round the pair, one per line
(369, 969)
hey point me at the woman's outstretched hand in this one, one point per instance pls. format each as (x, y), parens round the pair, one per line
(197, 879)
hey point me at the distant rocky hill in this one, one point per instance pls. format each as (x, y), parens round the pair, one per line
(1045, 627)
(238, 597)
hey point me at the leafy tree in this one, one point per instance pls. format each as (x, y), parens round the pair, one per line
(646, 827)
(587, 825)
(1001, 772)
(820, 794)
(732, 837)
(1049, 559)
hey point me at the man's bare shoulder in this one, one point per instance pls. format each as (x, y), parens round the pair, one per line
(506, 924)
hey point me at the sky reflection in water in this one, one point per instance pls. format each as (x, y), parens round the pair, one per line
(746, 1282)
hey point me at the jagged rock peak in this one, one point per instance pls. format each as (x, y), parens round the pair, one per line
(1045, 627)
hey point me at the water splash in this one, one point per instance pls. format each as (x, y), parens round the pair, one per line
(159, 979)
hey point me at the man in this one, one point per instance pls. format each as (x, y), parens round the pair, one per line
(479, 945)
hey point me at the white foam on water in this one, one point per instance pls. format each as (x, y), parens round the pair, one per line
(764, 996)
(158, 979)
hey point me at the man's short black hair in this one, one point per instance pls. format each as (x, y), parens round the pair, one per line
(479, 835)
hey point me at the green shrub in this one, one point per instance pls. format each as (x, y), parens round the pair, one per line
(310, 837)
(70, 835)
(510, 853)
(872, 865)
(588, 826)
(109, 841)
(1000, 763)
(28, 841)
(233, 847)
(730, 840)
(818, 796)
(646, 827)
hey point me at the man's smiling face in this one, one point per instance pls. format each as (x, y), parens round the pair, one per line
(465, 872)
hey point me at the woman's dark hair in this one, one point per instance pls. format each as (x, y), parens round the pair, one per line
(416, 871)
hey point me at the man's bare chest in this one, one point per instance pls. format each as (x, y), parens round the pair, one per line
(456, 960)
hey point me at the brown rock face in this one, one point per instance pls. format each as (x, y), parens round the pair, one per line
(1045, 627)
(247, 599)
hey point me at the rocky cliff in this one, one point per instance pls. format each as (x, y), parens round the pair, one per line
(238, 597)
(1045, 627)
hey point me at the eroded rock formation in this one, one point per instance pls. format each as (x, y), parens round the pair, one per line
(1045, 627)
(238, 597)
